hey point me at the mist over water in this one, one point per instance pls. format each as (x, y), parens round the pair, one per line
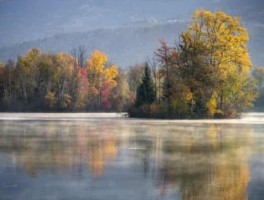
(107, 156)
(246, 118)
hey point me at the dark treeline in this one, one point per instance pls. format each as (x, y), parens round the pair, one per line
(205, 75)
(258, 74)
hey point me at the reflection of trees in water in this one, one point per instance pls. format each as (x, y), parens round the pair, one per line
(199, 161)
(60, 147)
(204, 162)
(211, 167)
(100, 150)
(144, 148)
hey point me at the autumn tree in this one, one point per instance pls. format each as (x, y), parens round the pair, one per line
(120, 97)
(9, 83)
(207, 74)
(135, 74)
(82, 87)
(42, 81)
(65, 82)
(216, 64)
(164, 55)
(101, 76)
(46, 80)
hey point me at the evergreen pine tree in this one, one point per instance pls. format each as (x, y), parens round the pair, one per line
(145, 92)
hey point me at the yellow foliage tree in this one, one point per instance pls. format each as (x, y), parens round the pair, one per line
(97, 61)
(101, 77)
(217, 63)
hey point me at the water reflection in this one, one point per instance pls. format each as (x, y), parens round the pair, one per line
(60, 147)
(181, 161)
(214, 169)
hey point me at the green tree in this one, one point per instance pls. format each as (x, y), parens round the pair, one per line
(146, 93)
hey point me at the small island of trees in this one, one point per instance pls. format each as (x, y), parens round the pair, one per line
(206, 74)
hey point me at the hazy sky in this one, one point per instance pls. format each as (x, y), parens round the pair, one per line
(31, 19)
(22, 20)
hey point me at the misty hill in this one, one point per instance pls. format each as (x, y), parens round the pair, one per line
(126, 45)
(248, 11)
(127, 30)
(24, 20)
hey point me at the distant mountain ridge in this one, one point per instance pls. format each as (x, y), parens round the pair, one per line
(126, 45)
(24, 20)
(127, 30)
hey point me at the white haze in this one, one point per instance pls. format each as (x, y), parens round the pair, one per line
(247, 118)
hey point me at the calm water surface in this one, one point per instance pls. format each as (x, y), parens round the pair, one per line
(95, 157)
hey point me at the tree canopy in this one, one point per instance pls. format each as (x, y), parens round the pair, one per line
(43, 81)
(207, 74)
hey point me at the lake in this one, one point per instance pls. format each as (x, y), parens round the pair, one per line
(105, 156)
